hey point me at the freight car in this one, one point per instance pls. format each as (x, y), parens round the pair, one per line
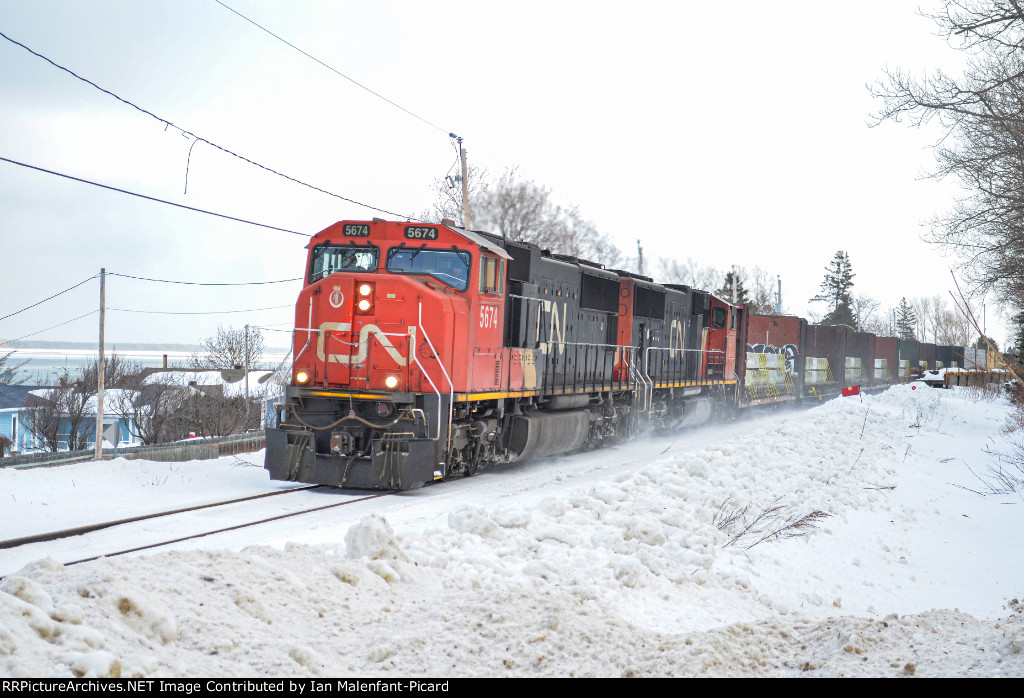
(822, 361)
(423, 351)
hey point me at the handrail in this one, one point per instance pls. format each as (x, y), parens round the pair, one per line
(437, 392)
(309, 335)
(648, 384)
(451, 386)
(681, 350)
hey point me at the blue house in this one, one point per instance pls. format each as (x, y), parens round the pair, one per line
(16, 399)
(12, 401)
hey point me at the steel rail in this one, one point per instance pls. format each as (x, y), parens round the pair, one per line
(229, 528)
(80, 530)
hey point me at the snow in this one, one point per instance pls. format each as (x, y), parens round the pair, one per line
(207, 379)
(111, 396)
(619, 562)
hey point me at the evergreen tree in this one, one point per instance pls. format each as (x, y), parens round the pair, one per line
(725, 292)
(906, 320)
(982, 344)
(836, 291)
(1017, 334)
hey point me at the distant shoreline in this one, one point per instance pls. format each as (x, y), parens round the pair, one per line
(112, 347)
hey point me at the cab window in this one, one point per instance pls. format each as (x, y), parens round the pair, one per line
(717, 318)
(328, 259)
(450, 267)
(490, 275)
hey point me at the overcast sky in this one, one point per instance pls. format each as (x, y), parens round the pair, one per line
(732, 134)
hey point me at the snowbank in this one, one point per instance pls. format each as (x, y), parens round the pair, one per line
(817, 545)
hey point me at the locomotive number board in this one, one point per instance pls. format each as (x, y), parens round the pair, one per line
(419, 232)
(356, 230)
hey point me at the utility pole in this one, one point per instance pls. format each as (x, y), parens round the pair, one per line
(734, 284)
(778, 305)
(247, 375)
(99, 370)
(639, 258)
(466, 221)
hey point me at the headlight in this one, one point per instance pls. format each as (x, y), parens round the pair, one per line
(364, 291)
(301, 377)
(391, 382)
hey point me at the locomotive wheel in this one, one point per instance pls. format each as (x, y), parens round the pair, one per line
(469, 470)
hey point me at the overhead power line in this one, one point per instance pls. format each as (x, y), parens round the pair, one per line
(50, 298)
(269, 329)
(197, 283)
(9, 341)
(171, 124)
(199, 312)
(333, 70)
(153, 198)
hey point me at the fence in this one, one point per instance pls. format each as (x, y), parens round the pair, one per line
(193, 449)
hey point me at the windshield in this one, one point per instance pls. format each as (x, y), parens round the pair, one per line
(450, 267)
(328, 259)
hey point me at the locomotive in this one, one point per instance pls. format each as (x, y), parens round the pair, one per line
(422, 351)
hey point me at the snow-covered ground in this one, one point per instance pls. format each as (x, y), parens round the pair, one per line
(631, 561)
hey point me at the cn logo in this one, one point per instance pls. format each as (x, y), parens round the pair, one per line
(488, 317)
(336, 298)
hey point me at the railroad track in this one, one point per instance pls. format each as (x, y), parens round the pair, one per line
(82, 530)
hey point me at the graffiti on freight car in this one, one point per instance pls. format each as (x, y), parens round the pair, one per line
(790, 351)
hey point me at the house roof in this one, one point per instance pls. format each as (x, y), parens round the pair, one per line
(232, 380)
(12, 397)
(110, 395)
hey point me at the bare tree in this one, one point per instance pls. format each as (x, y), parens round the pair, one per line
(41, 417)
(228, 349)
(61, 418)
(118, 372)
(149, 408)
(691, 273)
(762, 292)
(953, 329)
(869, 319)
(981, 113)
(448, 197)
(209, 412)
(923, 315)
(9, 372)
(78, 407)
(523, 211)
